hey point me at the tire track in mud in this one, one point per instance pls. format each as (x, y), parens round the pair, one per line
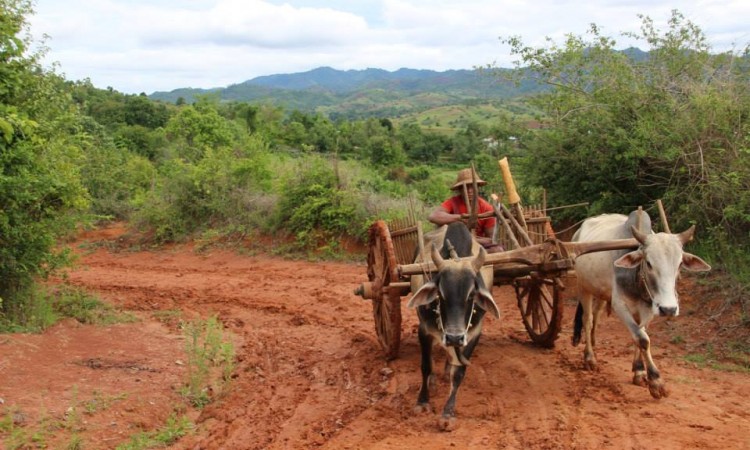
(310, 374)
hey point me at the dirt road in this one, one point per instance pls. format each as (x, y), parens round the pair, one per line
(310, 374)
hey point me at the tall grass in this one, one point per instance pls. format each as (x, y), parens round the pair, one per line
(39, 307)
(210, 360)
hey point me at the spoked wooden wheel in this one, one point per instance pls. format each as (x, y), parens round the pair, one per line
(386, 301)
(540, 302)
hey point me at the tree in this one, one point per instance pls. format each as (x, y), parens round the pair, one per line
(41, 193)
(625, 128)
(197, 128)
(469, 142)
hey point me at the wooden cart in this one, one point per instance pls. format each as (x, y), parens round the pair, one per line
(534, 263)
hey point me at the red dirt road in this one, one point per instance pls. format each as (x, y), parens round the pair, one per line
(310, 374)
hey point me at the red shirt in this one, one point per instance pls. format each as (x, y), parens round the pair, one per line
(456, 205)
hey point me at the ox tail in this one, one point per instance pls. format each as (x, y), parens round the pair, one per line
(577, 325)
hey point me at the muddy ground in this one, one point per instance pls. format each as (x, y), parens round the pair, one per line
(309, 372)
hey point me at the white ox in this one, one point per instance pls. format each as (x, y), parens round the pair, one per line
(640, 284)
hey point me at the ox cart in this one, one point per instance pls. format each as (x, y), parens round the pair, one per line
(534, 263)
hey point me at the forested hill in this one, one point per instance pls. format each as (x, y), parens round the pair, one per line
(361, 93)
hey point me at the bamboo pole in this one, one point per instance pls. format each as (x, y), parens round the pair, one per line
(513, 198)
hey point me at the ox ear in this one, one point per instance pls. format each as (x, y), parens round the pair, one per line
(629, 260)
(424, 295)
(694, 263)
(483, 298)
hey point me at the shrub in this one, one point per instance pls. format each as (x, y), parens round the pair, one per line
(314, 207)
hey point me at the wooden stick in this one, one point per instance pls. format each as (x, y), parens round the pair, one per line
(508, 230)
(663, 217)
(639, 218)
(472, 215)
(520, 230)
(475, 200)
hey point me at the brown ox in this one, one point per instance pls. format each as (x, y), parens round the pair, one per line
(451, 308)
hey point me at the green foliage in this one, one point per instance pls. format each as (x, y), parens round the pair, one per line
(625, 131)
(225, 189)
(196, 129)
(36, 309)
(113, 109)
(173, 430)
(734, 358)
(29, 311)
(115, 178)
(85, 308)
(41, 195)
(140, 140)
(314, 206)
(384, 151)
(206, 349)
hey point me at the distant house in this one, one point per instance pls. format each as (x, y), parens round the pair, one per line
(490, 143)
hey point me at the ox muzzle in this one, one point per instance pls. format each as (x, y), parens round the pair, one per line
(454, 340)
(669, 311)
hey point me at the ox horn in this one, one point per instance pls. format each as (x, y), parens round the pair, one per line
(687, 235)
(479, 260)
(640, 237)
(436, 258)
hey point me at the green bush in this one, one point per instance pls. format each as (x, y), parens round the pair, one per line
(623, 131)
(314, 206)
(115, 178)
(41, 194)
(228, 189)
(37, 308)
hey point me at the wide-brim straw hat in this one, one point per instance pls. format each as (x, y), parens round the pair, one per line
(464, 177)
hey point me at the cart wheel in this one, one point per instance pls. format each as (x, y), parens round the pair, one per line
(540, 302)
(386, 302)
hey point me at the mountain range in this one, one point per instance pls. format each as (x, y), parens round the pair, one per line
(354, 94)
(364, 93)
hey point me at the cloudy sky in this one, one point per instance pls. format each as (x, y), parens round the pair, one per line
(139, 46)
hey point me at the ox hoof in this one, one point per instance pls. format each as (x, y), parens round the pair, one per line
(422, 408)
(657, 389)
(589, 364)
(447, 423)
(639, 379)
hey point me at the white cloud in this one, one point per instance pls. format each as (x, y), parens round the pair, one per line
(149, 45)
